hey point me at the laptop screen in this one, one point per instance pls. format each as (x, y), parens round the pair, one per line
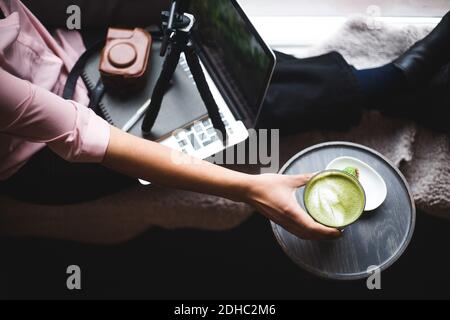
(236, 57)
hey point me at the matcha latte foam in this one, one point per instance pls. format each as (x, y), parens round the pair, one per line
(334, 198)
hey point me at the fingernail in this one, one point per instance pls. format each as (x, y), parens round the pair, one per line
(339, 234)
(313, 174)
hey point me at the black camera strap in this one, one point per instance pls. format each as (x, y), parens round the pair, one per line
(95, 95)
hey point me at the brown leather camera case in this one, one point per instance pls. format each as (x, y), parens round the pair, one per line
(124, 59)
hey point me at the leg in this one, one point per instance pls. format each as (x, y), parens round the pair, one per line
(411, 71)
(381, 84)
(326, 93)
(313, 93)
(48, 179)
(427, 104)
(428, 55)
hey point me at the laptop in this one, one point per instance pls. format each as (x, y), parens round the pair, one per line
(238, 66)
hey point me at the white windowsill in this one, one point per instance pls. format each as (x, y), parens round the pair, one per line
(296, 34)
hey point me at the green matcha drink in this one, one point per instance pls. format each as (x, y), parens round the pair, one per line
(334, 198)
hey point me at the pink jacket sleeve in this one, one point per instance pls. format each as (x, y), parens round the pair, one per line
(71, 130)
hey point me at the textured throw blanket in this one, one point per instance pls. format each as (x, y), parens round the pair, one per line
(423, 157)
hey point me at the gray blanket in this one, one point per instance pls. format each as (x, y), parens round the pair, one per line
(423, 156)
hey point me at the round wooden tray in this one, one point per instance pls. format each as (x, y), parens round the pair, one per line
(378, 239)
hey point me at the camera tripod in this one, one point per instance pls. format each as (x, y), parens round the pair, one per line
(177, 28)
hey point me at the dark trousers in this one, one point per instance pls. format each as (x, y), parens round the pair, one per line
(313, 93)
(322, 93)
(48, 179)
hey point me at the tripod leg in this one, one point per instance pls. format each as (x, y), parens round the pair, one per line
(169, 67)
(205, 93)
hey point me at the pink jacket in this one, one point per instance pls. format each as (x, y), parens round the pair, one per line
(33, 70)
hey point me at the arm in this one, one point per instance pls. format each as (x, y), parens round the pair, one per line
(71, 130)
(273, 195)
(77, 134)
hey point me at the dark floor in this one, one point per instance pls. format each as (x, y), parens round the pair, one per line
(243, 263)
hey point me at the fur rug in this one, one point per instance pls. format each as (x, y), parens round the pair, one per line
(424, 158)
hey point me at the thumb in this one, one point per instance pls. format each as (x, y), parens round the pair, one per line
(300, 180)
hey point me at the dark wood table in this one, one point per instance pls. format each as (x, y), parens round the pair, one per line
(378, 239)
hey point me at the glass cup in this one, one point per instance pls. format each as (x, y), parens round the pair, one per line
(334, 198)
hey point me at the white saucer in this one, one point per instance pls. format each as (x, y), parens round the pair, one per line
(373, 184)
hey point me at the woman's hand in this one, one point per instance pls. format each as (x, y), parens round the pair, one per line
(274, 196)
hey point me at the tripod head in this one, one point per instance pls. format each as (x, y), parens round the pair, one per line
(174, 21)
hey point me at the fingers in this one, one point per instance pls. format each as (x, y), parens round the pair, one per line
(284, 209)
(311, 230)
(307, 228)
(322, 232)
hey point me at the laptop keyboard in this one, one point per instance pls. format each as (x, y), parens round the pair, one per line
(200, 134)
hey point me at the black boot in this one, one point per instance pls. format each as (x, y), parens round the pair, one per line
(428, 104)
(428, 55)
